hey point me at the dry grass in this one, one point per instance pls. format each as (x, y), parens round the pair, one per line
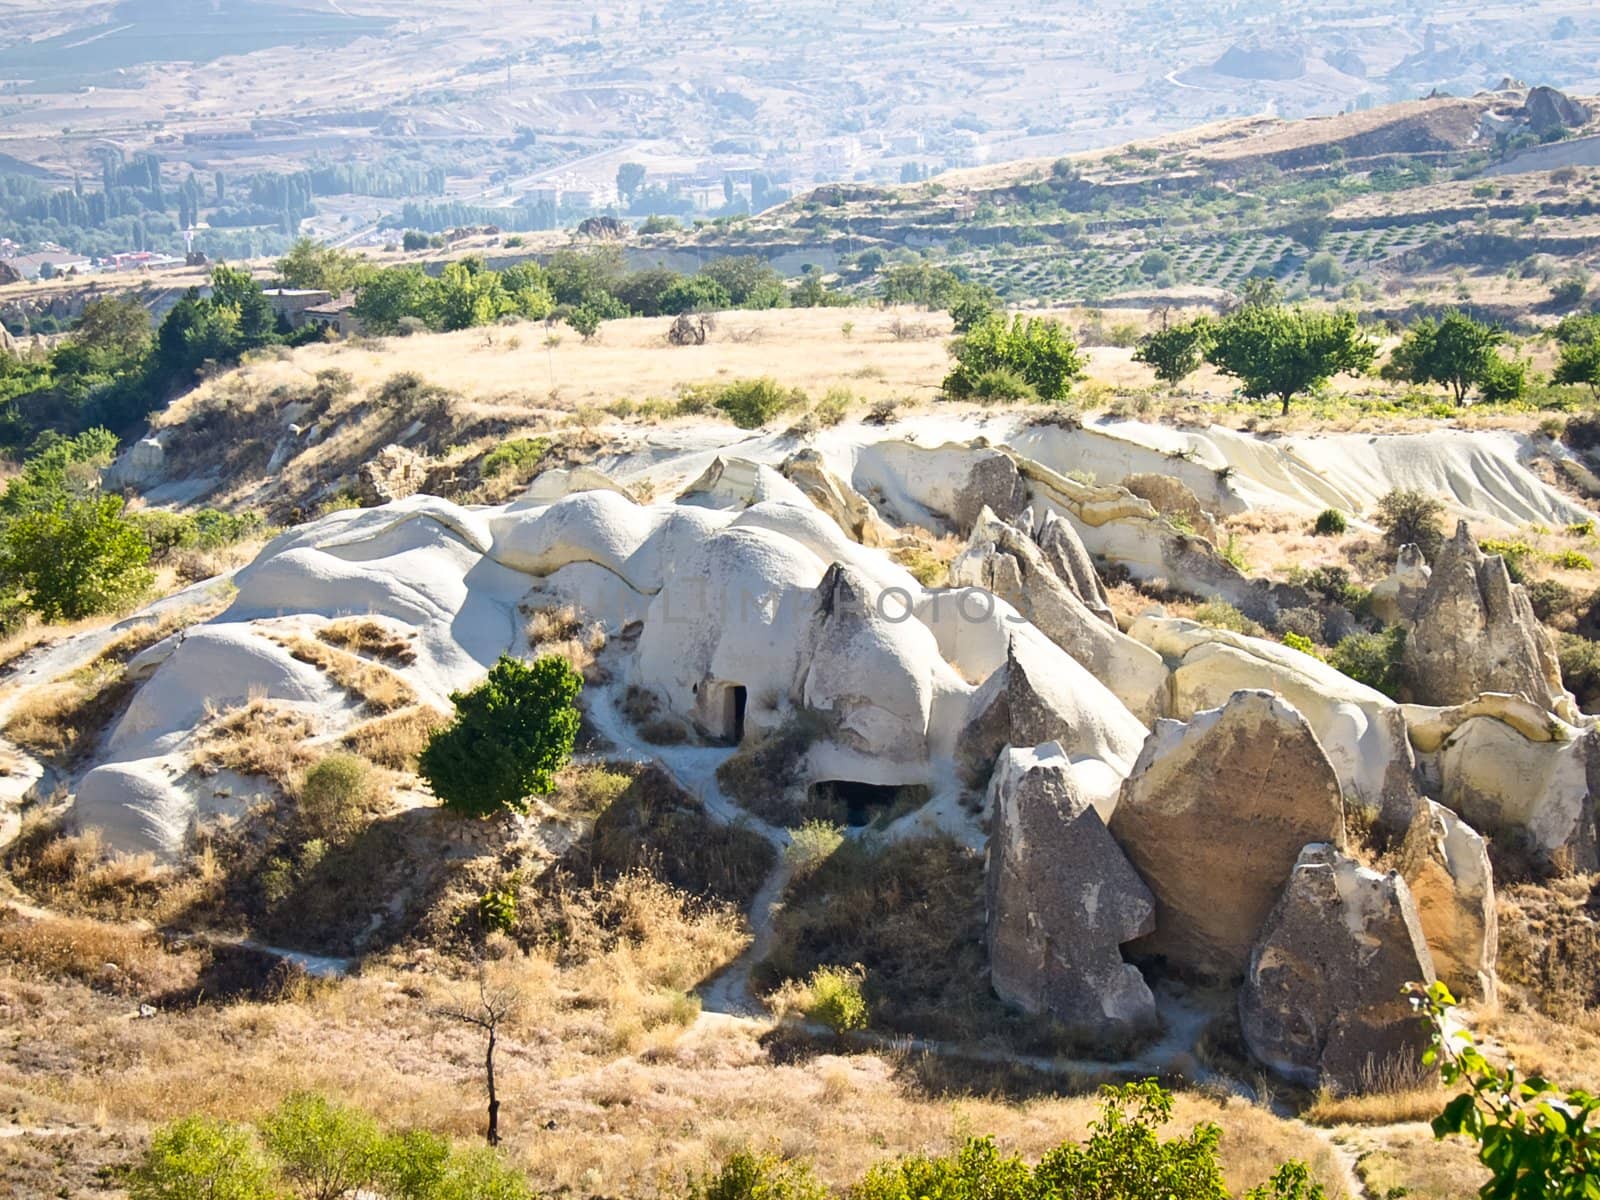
(395, 739)
(74, 873)
(1413, 1163)
(112, 958)
(1550, 945)
(362, 635)
(261, 739)
(562, 631)
(62, 720)
(378, 688)
(1378, 1108)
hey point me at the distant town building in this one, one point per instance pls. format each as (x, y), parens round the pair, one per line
(337, 315)
(292, 304)
(47, 264)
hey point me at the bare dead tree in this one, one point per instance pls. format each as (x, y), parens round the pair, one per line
(495, 1006)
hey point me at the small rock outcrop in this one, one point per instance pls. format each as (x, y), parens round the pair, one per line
(1214, 817)
(1547, 110)
(1175, 500)
(8, 344)
(1022, 705)
(1446, 864)
(1475, 631)
(992, 482)
(1533, 795)
(1061, 900)
(394, 473)
(853, 512)
(1321, 1003)
(1005, 561)
(1064, 551)
(1395, 598)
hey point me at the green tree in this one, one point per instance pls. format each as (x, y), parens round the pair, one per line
(327, 1150)
(749, 281)
(1035, 348)
(1455, 351)
(510, 735)
(970, 305)
(630, 178)
(200, 1159)
(1177, 351)
(389, 296)
(310, 264)
(696, 293)
(76, 558)
(1276, 351)
(586, 320)
(1539, 1142)
(468, 294)
(235, 290)
(1124, 1155)
(1324, 271)
(1579, 361)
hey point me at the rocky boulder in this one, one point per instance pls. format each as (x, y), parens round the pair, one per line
(849, 508)
(1029, 701)
(1396, 597)
(1006, 562)
(1065, 552)
(1475, 631)
(1061, 900)
(1214, 817)
(1446, 864)
(1547, 110)
(1175, 500)
(1533, 794)
(394, 473)
(1321, 1004)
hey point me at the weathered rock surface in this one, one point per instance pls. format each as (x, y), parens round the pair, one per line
(1173, 499)
(1064, 551)
(1321, 1003)
(1533, 796)
(1547, 109)
(1395, 597)
(1475, 631)
(739, 483)
(834, 496)
(1214, 817)
(394, 473)
(1023, 705)
(1005, 561)
(1446, 865)
(1061, 900)
(1361, 730)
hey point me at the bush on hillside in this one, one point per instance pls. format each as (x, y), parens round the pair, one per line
(510, 736)
(335, 794)
(197, 1158)
(1036, 349)
(751, 403)
(834, 998)
(1373, 659)
(1409, 517)
(327, 1150)
(1330, 522)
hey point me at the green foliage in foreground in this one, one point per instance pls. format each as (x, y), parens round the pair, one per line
(1539, 1142)
(313, 1149)
(1036, 349)
(1373, 659)
(1177, 351)
(510, 736)
(1455, 351)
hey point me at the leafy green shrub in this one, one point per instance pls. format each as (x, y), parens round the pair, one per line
(835, 998)
(1373, 659)
(1409, 517)
(497, 908)
(520, 455)
(976, 1170)
(336, 793)
(510, 735)
(1537, 1141)
(1330, 522)
(750, 1176)
(328, 1150)
(75, 558)
(1219, 614)
(1549, 598)
(751, 403)
(1035, 348)
(1580, 668)
(1505, 380)
(1298, 641)
(1573, 560)
(1001, 385)
(196, 1158)
(811, 845)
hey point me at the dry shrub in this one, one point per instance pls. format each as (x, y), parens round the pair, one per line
(377, 687)
(652, 824)
(643, 707)
(1550, 944)
(75, 873)
(362, 635)
(261, 739)
(911, 914)
(395, 740)
(928, 559)
(762, 774)
(562, 631)
(112, 958)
